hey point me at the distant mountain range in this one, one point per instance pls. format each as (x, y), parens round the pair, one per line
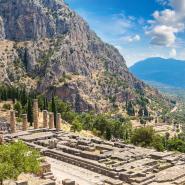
(169, 73)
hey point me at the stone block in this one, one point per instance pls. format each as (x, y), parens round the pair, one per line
(68, 182)
(21, 182)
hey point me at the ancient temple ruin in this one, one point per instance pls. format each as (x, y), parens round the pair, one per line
(116, 162)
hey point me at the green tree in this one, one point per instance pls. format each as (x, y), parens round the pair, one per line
(18, 108)
(45, 103)
(158, 143)
(76, 126)
(23, 97)
(143, 136)
(17, 158)
(54, 109)
(130, 109)
(146, 113)
(143, 121)
(141, 112)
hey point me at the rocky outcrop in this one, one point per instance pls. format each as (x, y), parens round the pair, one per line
(29, 20)
(50, 48)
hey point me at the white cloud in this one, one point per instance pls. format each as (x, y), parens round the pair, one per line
(163, 35)
(130, 39)
(178, 5)
(173, 53)
(162, 2)
(167, 24)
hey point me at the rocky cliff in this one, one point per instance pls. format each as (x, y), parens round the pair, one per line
(47, 46)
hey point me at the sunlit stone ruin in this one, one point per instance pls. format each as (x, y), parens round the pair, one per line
(115, 163)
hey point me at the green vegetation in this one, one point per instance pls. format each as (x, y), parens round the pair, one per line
(18, 108)
(7, 106)
(76, 125)
(17, 158)
(54, 109)
(130, 109)
(147, 137)
(102, 125)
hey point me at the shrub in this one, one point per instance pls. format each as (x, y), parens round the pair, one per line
(143, 136)
(7, 106)
(18, 108)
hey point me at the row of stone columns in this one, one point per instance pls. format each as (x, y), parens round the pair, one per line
(46, 122)
(51, 120)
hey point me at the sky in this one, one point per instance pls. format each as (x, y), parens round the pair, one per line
(138, 28)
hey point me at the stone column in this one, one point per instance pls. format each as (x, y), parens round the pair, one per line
(51, 120)
(58, 125)
(24, 122)
(12, 121)
(35, 114)
(45, 118)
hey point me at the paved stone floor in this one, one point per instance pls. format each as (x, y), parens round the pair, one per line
(95, 161)
(62, 170)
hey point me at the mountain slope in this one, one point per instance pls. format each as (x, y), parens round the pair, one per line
(48, 47)
(169, 72)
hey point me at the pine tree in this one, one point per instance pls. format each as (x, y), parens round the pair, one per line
(23, 97)
(141, 112)
(130, 109)
(54, 110)
(45, 103)
(146, 113)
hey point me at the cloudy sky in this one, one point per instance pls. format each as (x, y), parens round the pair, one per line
(138, 28)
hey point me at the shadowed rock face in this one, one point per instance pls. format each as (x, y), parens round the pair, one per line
(50, 48)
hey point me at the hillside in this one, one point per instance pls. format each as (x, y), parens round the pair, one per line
(46, 46)
(165, 73)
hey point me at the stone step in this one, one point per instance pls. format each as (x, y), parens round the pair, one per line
(149, 181)
(49, 177)
(142, 180)
(180, 181)
(113, 182)
(47, 173)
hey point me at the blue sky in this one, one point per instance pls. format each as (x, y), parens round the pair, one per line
(138, 28)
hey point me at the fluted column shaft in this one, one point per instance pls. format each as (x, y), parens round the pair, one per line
(12, 121)
(35, 114)
(51, 121)
(24, 122)
(58, 125)
(45, 119)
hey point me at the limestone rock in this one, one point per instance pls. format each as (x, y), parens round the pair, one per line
(52, 49)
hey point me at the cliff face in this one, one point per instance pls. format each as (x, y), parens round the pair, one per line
(47, 46)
